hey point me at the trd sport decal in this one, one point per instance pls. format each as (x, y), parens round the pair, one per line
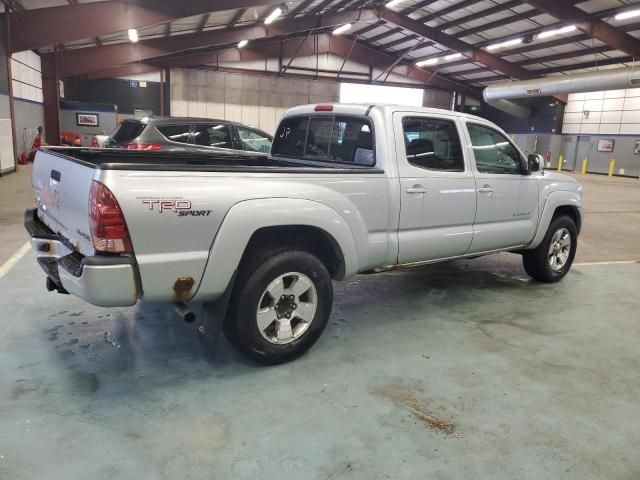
(181, 207)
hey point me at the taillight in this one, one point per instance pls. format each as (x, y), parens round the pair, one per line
(144, 146)
(108, 228)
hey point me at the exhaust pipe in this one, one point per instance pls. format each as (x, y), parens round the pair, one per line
(186, 314)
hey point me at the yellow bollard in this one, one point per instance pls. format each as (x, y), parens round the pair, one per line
(584, 166)
(560, 160)
(612, 163)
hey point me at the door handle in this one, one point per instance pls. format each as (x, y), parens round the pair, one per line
(485, 189)
(416, 189)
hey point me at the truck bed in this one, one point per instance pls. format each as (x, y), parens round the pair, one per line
(116, 159)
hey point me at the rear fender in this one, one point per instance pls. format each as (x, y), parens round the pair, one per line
(245, 218)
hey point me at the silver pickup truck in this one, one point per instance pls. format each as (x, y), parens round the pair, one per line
(346, 189)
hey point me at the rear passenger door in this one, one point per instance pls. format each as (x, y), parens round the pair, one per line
(507, 212)
(217, 135)
(438, 191)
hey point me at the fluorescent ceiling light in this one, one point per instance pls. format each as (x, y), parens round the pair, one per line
(340, 30)
(508, 43)
(242, 43)
(424, 63)
(133, 35)
(273, 15)
(627, 14)
(453, 56)
(393, 3)
(557, 31)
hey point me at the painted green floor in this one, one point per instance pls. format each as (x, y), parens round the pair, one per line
(466, 370)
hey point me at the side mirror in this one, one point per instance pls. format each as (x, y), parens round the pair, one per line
(534, 162)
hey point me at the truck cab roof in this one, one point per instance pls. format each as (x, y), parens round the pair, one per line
(364, 108)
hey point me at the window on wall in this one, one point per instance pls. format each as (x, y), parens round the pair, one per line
(493, 152)
(372, 94)
(212, 136)
(26, 76)
(432, 144)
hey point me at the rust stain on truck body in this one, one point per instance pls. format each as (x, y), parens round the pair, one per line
(182, 288)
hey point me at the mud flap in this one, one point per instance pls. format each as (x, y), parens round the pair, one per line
(212, 317)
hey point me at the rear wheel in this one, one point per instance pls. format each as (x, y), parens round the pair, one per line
(280, 306)
(552, 259)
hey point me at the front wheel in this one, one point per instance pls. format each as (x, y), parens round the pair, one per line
(552, 259)
(281, 305)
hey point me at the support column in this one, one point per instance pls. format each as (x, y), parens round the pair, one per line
(462, 98)
(51, 94)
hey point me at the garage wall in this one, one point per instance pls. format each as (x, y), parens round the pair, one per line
(28, 116)
(255, 100)
(7, 158)
(612, 112)
(68, 120)
(574, 148)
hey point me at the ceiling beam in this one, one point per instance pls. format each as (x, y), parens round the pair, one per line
(498, 23)
(418, 6)
(364, 55)
(236, 18)
(594, 27)
(42, 27)
(476, 54)
(447, 10)
(123, 71)
(480, 14)
(84, 60)
(258, 51)
(327, 43)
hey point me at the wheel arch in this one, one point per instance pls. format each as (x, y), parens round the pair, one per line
(557, 203)
(252, 223)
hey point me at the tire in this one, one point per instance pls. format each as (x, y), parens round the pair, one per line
(553, 249)
(300, 313)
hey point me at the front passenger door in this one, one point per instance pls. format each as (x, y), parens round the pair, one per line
(507, 211)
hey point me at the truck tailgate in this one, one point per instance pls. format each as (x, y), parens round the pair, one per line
(61, 185)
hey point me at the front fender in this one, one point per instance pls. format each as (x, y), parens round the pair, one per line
(246, 217)
(563, 198)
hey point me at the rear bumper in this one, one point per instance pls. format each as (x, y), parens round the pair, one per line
(104, 281)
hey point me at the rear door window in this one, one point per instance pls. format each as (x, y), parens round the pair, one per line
(175, 133)
(432, 144)
(127, 131)
(213, 135)
(339, 139)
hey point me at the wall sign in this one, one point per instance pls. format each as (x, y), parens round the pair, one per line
(87, 119)
(605, 145)
(636, 149)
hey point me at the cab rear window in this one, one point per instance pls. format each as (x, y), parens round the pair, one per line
(336, 139)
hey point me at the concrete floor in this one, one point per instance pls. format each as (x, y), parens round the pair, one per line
(462, 370)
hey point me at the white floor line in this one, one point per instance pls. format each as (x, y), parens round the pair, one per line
(615, 262)
(15, 258)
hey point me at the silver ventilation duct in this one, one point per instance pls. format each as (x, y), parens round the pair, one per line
(620, 78)
(513, 108)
